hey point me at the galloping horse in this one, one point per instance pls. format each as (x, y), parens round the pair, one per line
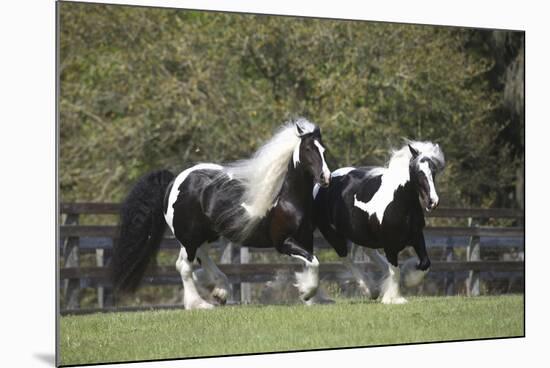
(382, 207)
(264, 201)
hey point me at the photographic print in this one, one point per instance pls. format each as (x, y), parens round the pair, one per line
(236, 183)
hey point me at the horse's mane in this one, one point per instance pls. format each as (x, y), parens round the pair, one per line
(398, 164)
(261, 177)
(425, 149)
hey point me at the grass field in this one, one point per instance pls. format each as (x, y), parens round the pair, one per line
(247, 329)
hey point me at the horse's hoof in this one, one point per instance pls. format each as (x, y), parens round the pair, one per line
(397, 300)
(308, 295)
(205, 305)
(327, 301)
(220, 295)
(200, 304)
(414, 277)
(365, 290)
(314, 301)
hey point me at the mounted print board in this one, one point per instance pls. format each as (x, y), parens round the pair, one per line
(237, 183)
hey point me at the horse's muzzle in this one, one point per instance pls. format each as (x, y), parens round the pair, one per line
(432, 205)
(324, 180)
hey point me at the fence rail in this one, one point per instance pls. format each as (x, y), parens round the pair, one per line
(112, 231)
(252, 272)
(76, 238)
(482, 213)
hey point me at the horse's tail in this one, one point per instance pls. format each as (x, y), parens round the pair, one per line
(142, 227)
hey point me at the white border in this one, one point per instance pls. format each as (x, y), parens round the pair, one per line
(27, 183)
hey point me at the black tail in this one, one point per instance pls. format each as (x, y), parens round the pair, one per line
(142, 227)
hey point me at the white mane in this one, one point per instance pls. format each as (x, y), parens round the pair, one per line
(425, 149)
(263, 174)
(431, 151)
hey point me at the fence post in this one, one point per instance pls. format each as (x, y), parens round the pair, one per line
(231, 255)
(473, 254)
(449, 276)
(104, 293)
(108, 296)
(99, 263)
(245, 286)
(71, 259)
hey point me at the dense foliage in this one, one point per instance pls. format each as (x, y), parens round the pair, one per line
(144, 88)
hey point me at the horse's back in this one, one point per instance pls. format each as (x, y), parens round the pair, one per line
(189, 184)
(188, 201)
(336, 214)
(361, 180)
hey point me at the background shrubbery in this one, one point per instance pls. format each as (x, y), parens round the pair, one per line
(145, 88)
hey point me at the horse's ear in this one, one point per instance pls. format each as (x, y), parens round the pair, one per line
(299, 129)
(414, 152)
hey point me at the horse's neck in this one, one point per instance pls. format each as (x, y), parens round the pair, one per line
(397, 188)
(297, 186)
(407, 196)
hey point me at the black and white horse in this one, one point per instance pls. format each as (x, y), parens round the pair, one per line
(382, 208)
(264, 201)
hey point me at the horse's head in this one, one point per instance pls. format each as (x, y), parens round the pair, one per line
(426, 161)
(311, 152)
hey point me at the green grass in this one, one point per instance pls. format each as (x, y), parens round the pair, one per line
(248, 329)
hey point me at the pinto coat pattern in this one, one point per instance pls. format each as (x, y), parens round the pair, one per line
(382, 208)
(264, 201)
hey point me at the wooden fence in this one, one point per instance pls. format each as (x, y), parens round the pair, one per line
(442, 241)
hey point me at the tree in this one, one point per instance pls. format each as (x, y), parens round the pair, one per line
(143, 89)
